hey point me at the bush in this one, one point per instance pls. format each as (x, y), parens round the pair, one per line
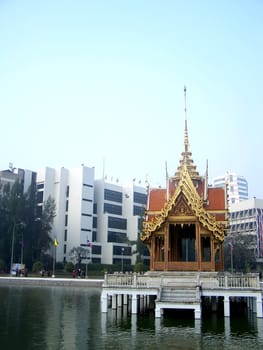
(140, 267)
(69, 267)
(2, 265)
(37, 266)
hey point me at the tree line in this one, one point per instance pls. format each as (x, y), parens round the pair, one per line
(24, 226)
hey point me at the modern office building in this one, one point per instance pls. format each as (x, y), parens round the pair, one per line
(236, 186)
(104, 216)
(73, 192)
(246, 218)
(119, 213)
(23, 176)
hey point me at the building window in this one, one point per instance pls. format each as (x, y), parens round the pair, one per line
(96, 249)
(119, 250)
(40, 186)
(118, 237)
(118, 223)
(66, 220)
(67, 192)
(65, 249)
(94, 208)
(65, 235)
(113, 196)
(140, 198)
(67, 205)
(112, 209)
(40, 196)
(94, 224)
(138, 211)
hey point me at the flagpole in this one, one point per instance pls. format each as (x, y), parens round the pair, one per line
(55, 244)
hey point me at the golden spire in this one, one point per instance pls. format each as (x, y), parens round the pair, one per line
(186, 154)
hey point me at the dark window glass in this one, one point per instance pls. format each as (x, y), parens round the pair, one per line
(66, 220)
(65, 248)
(94, 236)
(139, 211)
(40, 197)
(67, 205)
(112, 209)
(118, 237)
(96, 249)
(65, 235)
(40, 186)
(95, 208)
(67, 193)
(119, 250)
(117, 223)
(113, 196)
(140, 198)
(94, 224)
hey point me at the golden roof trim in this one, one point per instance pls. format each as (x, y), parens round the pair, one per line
(187, 188)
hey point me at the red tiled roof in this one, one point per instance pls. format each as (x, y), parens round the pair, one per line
(216, 198)
(157, 199)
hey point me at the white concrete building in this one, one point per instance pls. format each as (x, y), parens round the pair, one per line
(73, 192)
(246, 218)
(236, 186)
(24, 176)
(119, 211)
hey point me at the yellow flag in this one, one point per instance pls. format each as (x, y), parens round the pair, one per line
(55, 242)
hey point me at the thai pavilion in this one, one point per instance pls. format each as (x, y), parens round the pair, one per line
(185, 223)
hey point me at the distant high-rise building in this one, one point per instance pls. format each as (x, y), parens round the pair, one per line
(25, 177)
(103, 216)
(236, 186)
(246, 219)
(73, 192)
(119, 211)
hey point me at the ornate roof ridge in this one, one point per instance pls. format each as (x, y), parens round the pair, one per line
(195, 202)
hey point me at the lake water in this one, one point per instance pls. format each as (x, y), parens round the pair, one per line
(70, 318)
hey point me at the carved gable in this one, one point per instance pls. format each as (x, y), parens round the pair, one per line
(181, 208)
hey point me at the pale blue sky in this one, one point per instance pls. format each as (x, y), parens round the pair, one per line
(85, 80)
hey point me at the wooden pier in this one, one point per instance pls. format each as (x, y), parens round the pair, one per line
(180, 290)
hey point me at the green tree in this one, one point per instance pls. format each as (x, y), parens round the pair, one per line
(241, 249)
(19, 218)
(77, 254)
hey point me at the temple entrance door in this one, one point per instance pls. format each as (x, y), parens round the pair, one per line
(182, 239)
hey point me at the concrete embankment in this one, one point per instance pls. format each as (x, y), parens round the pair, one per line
(42, 281)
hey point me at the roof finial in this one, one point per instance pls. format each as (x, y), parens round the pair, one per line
(186, 142)
(186, 154)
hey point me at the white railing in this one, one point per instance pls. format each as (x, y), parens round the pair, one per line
(209, 280)
(239, 281)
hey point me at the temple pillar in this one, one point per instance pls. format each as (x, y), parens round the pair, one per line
(226, 306)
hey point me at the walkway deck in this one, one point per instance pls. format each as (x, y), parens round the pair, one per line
(180, 290)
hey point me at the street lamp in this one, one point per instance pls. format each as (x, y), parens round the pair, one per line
(122, 250)
(12, 245)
